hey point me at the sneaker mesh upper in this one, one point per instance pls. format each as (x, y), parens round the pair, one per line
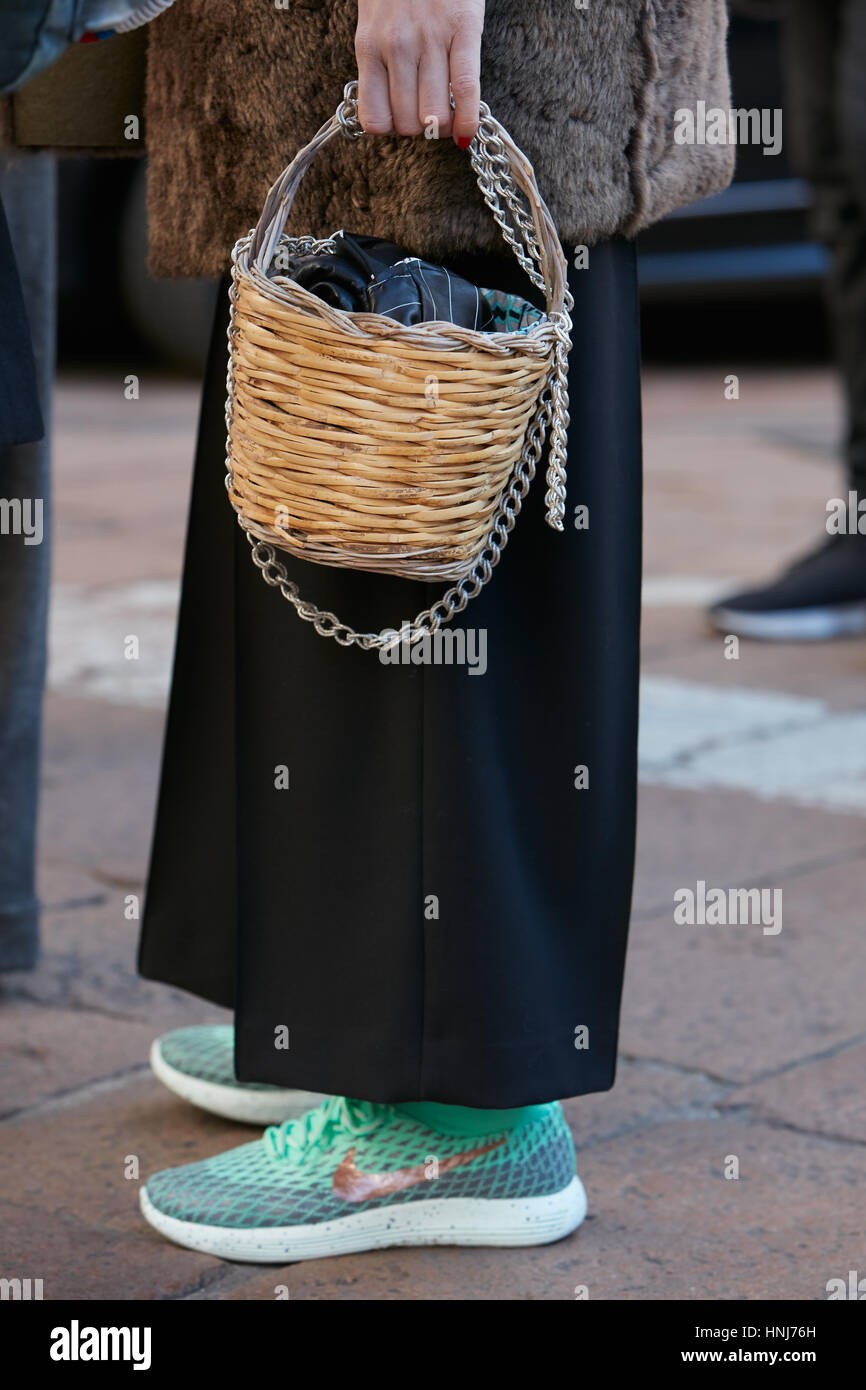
(206, 1052)
(251, 1187)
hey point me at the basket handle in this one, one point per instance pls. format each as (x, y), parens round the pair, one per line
(507, 183)
(505, 177)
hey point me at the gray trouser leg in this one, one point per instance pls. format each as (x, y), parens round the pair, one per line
(28, 189)
(825, 49)
(849, 253)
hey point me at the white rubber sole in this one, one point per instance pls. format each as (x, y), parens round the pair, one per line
(794, 625)
(431, 1221)
(248, 1107)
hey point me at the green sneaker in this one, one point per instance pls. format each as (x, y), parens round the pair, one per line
(198, 1065)
(353, 1176)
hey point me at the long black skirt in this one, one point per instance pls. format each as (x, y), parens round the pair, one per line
(413, 882)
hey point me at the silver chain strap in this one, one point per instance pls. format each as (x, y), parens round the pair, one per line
(492, 170)
(490, 162)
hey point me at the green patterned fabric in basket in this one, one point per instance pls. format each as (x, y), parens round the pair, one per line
(511, 314)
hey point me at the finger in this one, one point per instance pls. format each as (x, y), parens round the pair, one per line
(402, 64)
(374, 103)
(434, 101)
(465, 69)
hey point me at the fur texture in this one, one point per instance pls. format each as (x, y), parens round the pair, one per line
(589, 94)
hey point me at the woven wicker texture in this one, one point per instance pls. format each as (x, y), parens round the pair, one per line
(354, 440)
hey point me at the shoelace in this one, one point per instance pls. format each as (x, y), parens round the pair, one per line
(315, 1130)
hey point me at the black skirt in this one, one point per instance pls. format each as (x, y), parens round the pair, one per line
(436, 905)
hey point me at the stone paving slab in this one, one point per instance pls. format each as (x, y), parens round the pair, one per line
(770, 744)
(88, 963)
(728, 837)
(50, 1052)
(732, 1001)
(827, 1096)
(113, 642)
(120, 495)
(737, 487)
(645, 1093)
(676, 640)
(101, 772)
(74, 1219)
(669, 1225)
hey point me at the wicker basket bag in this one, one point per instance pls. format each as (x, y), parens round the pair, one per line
(357, 441)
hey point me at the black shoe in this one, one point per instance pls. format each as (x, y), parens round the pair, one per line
(823, 595)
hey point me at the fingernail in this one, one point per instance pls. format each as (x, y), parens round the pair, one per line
(464, 141)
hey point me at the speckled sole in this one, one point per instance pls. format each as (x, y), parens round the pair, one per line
(248, 1106)
(449, 1221)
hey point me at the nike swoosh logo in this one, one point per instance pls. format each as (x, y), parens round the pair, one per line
(353, 1185)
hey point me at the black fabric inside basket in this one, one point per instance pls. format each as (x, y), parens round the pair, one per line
(369, 275)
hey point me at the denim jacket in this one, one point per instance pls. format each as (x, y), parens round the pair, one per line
(35, 33)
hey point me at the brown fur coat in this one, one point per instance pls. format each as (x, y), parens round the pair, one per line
(234, 87)
(589, 94)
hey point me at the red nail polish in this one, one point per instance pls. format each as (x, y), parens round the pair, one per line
(464, 141)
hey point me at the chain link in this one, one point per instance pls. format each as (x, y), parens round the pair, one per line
(492, 169)
(445, 609)
(493, 172)
(347, 112)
